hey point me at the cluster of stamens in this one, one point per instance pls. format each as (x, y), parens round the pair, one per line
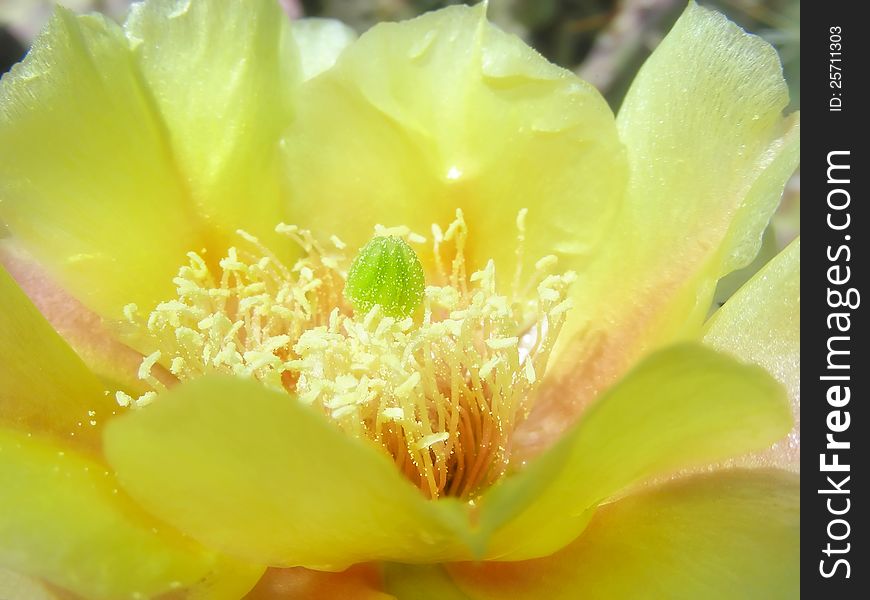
(440, 390)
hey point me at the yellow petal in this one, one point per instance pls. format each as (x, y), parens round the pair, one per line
(252, 472)
(320, 42)
(420, 582)
(14, 586)
(222, 74)
(760, 323)
(709, 153)
(46, 388)
(92, 339)
(86, 179)
(681, 407)
(444, 111)
(360, 582)
(719, 536)
(63, 519)
(732, 282)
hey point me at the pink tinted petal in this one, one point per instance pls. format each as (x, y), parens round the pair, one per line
(84, 330)
(359, 582)
(718, 536)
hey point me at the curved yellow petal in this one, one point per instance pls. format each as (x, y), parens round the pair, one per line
(86, 179)
(222, 73)
(725, 288)
(253, 473)
(719, 536)
(709, 153)
(320, 42)
(445, 111)
(683, 406)
(46, 388)
(93, 340)
(63, 519)
(760, 323)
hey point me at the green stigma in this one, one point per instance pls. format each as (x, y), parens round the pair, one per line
(388, 273)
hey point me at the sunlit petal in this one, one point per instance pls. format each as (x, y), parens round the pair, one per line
(719, 536)
(685, 406)
(63, 519)
(445, 111)
(709, 153)
(222, 75)
(760, 323)
(252, 472)
(87, 181)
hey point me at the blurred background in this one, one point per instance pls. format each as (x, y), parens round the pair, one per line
(604, 41)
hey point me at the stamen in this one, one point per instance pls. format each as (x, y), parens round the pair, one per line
(441, 390)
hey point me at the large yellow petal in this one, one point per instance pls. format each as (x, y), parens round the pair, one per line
(709, 153)
(718, 536)
(760, 323)
(87, 181)
(46, 388)
(252, 472)
(445, 111)
(684, 406)
(63, 519)
(222, 73)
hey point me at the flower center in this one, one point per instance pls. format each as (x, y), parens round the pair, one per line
(439, 387)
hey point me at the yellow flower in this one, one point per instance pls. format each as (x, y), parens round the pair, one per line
(570, 257)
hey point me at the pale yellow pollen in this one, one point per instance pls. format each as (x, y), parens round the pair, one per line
(441, 393)
(336, 241)
(123, 399)
(529, 371)
(502, 343)
(547, 262)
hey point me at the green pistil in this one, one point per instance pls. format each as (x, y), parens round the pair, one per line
(388, 273)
